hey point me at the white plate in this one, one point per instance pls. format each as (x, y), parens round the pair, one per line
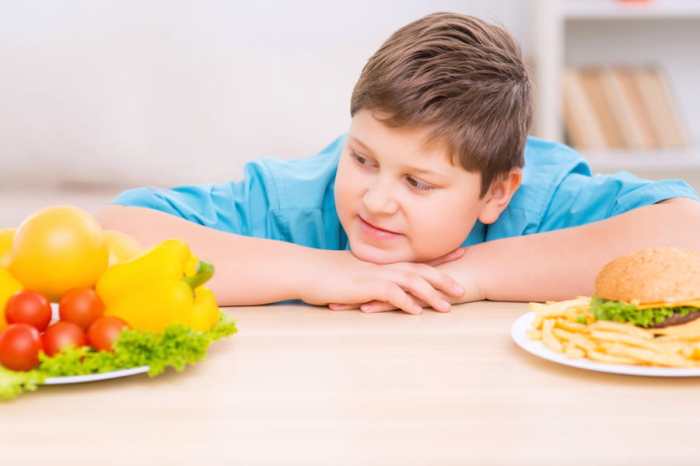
(523, 324)
(95, 377)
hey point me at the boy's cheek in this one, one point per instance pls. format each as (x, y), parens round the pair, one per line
(347, 195)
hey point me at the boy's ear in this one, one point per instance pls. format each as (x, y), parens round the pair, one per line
(499, 195)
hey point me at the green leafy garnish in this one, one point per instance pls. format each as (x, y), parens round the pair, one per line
(13, 383)
(177, 347)
(619, 311)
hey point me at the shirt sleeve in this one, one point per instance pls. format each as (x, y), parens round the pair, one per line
(241, 207)
(581, 198)
(286, 200)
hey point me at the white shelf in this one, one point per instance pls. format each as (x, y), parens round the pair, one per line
(610, 9)
(551, 21)
(656, 161)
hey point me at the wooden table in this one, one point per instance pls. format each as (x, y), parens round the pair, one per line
(307, 386)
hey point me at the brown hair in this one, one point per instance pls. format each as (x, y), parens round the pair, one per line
(463, 78)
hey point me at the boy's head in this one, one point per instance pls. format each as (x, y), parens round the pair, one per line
(440, 116)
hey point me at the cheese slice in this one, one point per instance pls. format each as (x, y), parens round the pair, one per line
(692, 303)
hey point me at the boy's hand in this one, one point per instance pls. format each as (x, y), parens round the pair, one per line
(443, 292)
(450, 265)
(345, 279)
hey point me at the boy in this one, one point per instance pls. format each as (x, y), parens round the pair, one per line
(435, 196)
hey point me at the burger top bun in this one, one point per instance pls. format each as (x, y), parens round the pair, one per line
(651, 275)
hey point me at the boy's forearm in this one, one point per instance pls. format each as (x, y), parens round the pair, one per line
(563, 264)
(249, 271)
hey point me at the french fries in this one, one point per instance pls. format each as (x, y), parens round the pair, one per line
(568, 327)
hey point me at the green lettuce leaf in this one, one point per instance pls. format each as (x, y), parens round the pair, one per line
(14, 383)
(176, 347)
(618, 311)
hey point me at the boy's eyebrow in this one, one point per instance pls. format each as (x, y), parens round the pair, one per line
(413, 168)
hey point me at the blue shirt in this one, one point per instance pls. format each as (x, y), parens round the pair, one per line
(292, 200)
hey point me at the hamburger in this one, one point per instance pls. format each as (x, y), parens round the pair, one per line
(655, 288)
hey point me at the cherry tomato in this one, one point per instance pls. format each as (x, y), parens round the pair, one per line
(28, 307)
(105, 331)
(62, 335)
(81, 306)
(20, 345)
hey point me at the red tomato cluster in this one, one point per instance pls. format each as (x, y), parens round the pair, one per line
(30, 331)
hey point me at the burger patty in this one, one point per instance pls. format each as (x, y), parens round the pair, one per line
(677, 319)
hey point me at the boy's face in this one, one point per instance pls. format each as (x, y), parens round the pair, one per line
(401, 201)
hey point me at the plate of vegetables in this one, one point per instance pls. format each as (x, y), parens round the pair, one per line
(80, 304)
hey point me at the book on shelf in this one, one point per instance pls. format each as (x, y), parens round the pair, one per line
(580, 122)
(621, 108)
(593, 87)
(656, 93)
(639, 114)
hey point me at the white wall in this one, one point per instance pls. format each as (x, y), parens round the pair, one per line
(166, 92)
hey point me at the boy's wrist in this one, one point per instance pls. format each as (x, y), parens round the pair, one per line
(471, 272)
(479, 269)
(316, 263)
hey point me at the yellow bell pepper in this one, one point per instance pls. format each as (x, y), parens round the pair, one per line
(157, 288)
(9, 286)
(205, 311)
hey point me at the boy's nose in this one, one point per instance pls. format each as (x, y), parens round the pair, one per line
(378, 199)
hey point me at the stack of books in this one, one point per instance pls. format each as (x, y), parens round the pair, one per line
(621, 108)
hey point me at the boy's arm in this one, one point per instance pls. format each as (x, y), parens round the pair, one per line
(252, 271)
(563, 264)
(247, 270)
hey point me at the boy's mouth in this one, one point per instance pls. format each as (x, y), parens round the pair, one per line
(375, 231)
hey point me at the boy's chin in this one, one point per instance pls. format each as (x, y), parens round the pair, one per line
(379, 256)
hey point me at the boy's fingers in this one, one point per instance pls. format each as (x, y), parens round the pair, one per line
(396, 295)
(380, 306)
(442, 281)
(377, 306)
(420, 288)
(342, 307)
(436, 278)
(370, 309)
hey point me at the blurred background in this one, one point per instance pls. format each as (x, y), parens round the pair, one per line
(99, 96)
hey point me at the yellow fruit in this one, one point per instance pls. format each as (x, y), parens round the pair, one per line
(121, 247)
(57, 249)
(154, 306)
(8, 287)
(205, 311)
(6, 237)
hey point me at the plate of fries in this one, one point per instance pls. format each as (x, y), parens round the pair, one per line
(567, 333)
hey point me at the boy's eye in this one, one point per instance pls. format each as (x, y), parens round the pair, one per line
(360, 159)
(414, 183)
(418, 184)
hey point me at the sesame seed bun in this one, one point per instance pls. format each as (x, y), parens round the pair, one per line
(651, 275)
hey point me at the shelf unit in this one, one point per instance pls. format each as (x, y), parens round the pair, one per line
(608, 9)
(662, 161)
(549, 22)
